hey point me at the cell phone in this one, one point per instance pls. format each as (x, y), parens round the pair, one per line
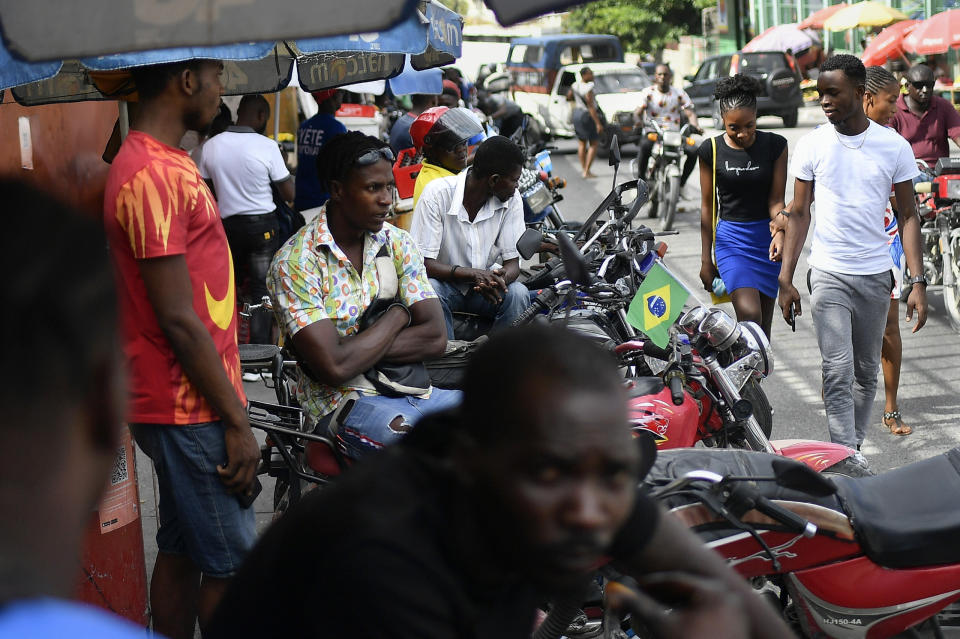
(793, 319)
(246, 499)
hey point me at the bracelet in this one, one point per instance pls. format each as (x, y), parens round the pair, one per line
(784, 213)
(405, 310)
(454, 270)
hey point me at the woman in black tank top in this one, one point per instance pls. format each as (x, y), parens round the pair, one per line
(743, 175)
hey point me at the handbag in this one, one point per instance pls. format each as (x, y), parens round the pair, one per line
(716, 299)
(388, 378)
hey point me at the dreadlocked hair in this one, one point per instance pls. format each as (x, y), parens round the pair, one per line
(336, 158)
(737, 92)
(878, 79)
(851, 66)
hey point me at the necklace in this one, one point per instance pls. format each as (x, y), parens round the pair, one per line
(847, 146)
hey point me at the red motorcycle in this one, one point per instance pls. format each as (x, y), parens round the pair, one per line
(708, 391)
(870, 557)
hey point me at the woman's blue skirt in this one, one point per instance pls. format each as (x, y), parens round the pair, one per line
(742, 250)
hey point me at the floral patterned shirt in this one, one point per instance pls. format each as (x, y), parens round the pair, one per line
(668, 107)
(311, 279)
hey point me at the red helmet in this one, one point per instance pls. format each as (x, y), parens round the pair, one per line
(443, 127)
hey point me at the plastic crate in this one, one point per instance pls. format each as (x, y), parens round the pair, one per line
(405, 172)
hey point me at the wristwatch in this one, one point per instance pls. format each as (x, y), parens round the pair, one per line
(919, 279)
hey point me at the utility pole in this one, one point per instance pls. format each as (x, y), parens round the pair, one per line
(737, 25)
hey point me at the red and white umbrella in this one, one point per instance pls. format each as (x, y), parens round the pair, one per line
(816, 19)
(888, 44)
(936, 34)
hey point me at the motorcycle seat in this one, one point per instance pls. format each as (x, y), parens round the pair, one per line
(908, 517)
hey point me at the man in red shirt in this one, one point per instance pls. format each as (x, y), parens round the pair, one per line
(179, 330)
(924, 119)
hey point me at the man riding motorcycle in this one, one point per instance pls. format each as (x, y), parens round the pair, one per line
(671, 106)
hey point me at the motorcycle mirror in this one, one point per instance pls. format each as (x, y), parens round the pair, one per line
(798, 476)
(614, 151)
(529, 243)
(573, 261)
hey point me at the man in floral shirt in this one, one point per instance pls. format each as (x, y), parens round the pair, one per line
(324, 279)
(671, 107)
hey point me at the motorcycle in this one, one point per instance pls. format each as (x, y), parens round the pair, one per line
(538, 187)
(840, 557)
(940, 215)
(665, 158)
(704, 386)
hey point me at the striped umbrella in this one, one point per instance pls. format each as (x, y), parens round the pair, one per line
(816, 19)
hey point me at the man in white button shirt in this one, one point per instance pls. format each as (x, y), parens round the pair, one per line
(240, 165)
(467, 227)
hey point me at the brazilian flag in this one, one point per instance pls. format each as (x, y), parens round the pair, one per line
(658, 302)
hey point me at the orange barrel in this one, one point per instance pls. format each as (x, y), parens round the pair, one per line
(114, 567)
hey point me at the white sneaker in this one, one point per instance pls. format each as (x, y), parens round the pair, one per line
(250, 376)
(860, 459)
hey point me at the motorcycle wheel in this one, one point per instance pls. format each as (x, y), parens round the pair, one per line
(762, 411)
(951, 293)
(670, 202)
(655, 196)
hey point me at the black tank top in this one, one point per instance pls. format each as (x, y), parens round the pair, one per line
(744, 176)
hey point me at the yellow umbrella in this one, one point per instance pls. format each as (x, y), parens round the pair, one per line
(863, 14)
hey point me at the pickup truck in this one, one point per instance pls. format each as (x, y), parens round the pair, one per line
(541, 71)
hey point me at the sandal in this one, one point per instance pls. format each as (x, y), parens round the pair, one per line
(898, 427)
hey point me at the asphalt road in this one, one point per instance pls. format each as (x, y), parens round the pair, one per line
(929, 394)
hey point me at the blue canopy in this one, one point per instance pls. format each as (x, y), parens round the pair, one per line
(426, 40)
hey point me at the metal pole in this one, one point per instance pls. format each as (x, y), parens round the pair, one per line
(124, 117)
(276, 116)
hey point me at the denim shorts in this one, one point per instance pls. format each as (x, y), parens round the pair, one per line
(198, 517)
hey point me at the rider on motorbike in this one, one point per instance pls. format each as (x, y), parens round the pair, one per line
(442, 134)
(671, 106)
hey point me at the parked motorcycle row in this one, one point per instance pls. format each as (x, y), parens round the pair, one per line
(839, 552)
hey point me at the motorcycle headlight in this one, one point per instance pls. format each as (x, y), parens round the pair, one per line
(689, 322)
(719, 329)
(672, 138)
(753, 339)
(953, 189)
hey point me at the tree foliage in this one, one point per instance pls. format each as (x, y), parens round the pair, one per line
(643, 26)
(460, 6)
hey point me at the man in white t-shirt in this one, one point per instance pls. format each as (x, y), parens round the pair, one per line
(467, 227)
(850, 165)
(241, 165)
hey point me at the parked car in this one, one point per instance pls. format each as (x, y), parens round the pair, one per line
(778, 75)
(617, 86)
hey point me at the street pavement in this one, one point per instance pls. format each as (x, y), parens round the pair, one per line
(930, 378)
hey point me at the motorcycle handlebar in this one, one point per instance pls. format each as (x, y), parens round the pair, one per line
(648, 348)
(786, 517)
(543, 301)
(676, 390)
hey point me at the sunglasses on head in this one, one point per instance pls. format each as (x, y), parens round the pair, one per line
(920, 86)
(375, 155)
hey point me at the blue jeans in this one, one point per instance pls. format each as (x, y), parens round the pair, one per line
(372, 422)
(198, 517)
(514, 302)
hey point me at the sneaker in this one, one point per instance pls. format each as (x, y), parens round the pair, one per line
(251, 376)
(266, 375)
(860, 459)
